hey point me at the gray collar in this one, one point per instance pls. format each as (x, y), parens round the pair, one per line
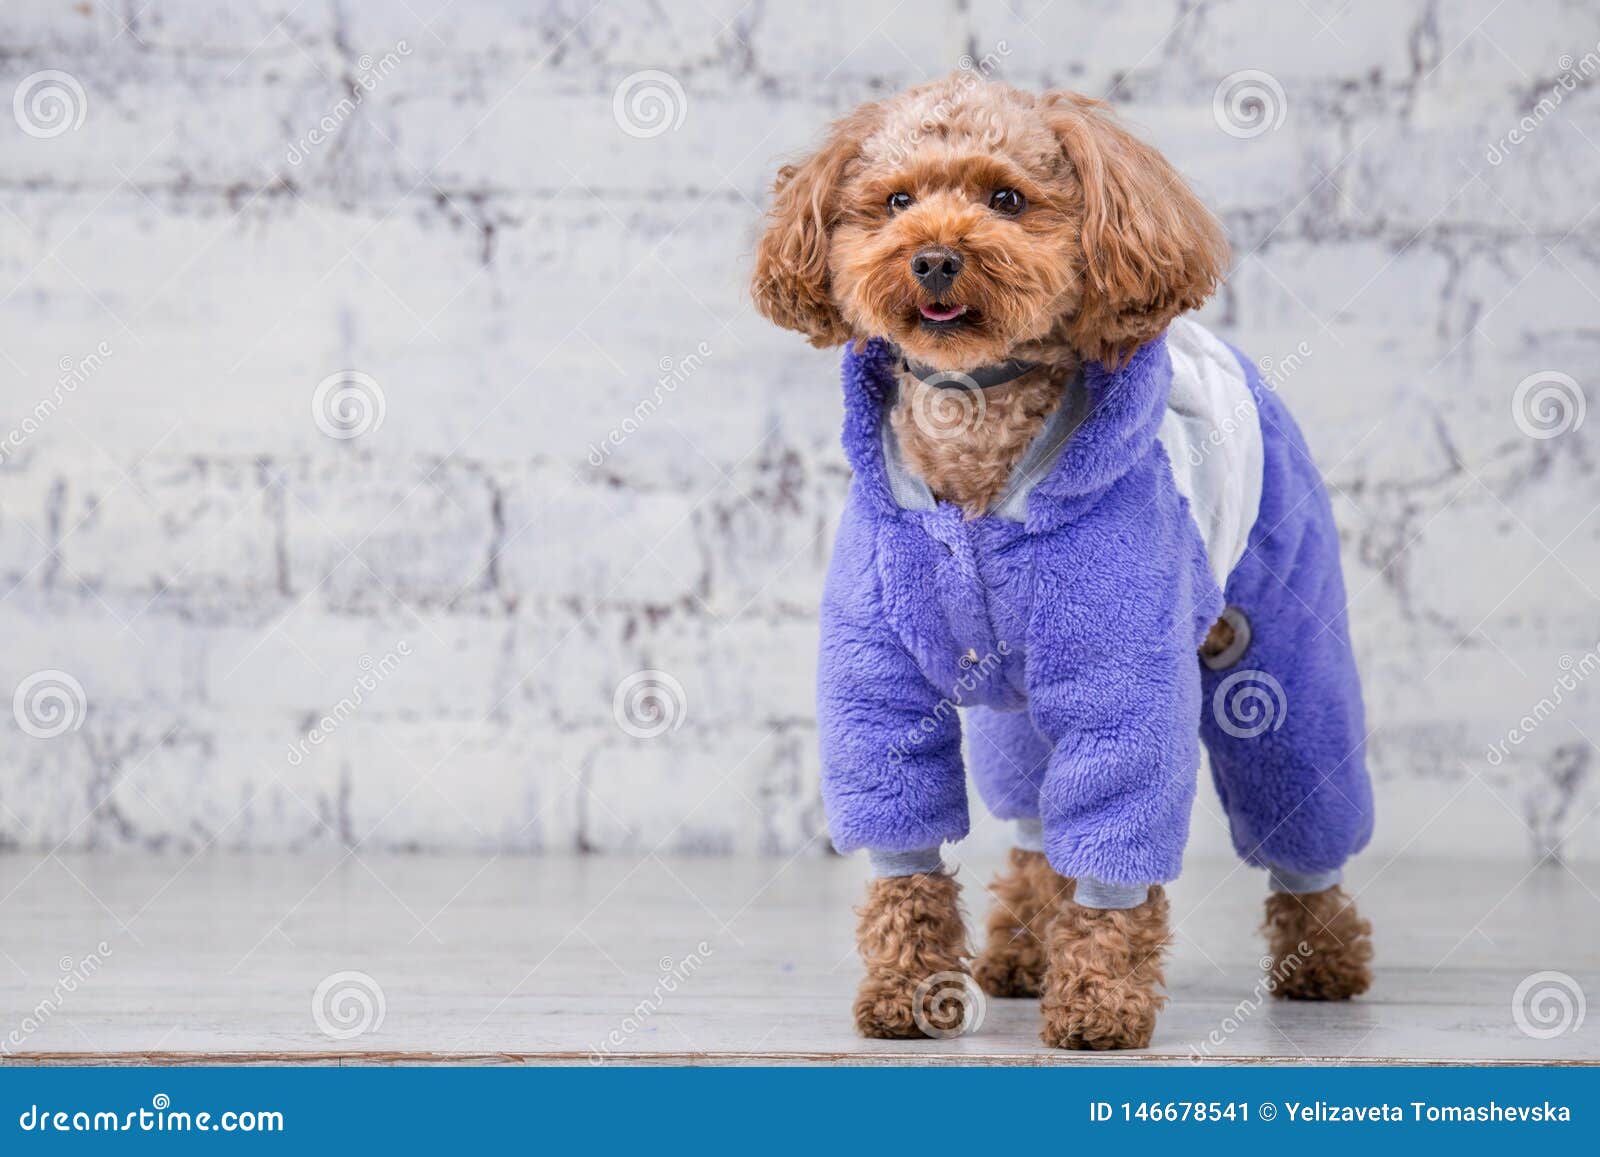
(979, 379)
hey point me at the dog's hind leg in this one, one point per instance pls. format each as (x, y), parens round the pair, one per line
(1321, 946)
(1282, 719)
(1284, 730)
(1290, 772)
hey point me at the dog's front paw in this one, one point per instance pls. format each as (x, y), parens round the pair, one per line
(1321, 946)
(914, 945)
(892, 1006)
(1102, 989)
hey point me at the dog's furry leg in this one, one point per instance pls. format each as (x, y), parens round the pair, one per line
(1321, 946)
(910, 930)
(1025, 897)
(1102, 985)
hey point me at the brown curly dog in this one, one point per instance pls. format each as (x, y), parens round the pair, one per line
(1012, 240)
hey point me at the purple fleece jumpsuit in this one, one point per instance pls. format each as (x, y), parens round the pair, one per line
(1067, 620)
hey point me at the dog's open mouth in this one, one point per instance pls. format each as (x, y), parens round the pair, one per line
(941, 315)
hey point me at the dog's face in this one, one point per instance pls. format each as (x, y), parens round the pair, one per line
(969, 222)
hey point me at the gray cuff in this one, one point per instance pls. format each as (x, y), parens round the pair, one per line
(1093, 893)
(920, 862)
(1301, 883)
(1030, 835)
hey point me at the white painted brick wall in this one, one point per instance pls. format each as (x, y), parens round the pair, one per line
(517, 273)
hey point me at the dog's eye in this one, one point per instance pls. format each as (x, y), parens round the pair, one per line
(899, 202)
(1008, 201)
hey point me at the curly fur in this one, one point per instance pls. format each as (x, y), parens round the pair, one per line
(1112, 245)
(1218, 639)
(1102, 985)
(973, 470)
(1321, 946)
(1025, 900)
(910, 928)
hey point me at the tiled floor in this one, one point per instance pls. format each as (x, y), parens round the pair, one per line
(710, 961)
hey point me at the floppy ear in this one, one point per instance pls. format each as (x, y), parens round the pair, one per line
(1151, 249)
(790, 284)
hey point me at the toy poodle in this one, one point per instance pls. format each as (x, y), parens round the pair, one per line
(1088, 524)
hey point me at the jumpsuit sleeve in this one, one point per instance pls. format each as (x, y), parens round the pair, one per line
(892, 774)
(1114, 682)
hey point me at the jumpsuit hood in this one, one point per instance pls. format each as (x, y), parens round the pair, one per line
(1116, 415)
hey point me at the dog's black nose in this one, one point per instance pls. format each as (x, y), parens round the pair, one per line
(935, 268)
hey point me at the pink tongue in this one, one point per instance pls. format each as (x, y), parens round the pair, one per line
(950, 313)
